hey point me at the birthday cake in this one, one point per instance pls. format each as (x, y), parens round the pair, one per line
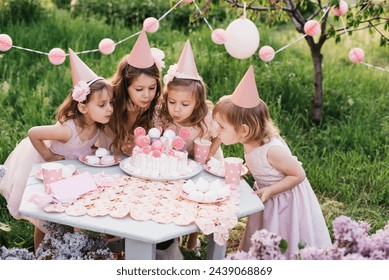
(160, 153)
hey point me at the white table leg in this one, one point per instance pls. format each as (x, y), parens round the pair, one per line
(139, 250)
(215, 251)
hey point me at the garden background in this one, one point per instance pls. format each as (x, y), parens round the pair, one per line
(345, 156)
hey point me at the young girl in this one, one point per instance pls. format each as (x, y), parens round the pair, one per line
(291, 207)
(184, 104)
(137, 88)
(80, 118)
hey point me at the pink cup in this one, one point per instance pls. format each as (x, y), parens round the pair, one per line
(201, 150)
(52, 172)
(233, 166)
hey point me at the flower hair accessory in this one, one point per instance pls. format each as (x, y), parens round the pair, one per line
(171, 73)
(158, 56)
(80, 91)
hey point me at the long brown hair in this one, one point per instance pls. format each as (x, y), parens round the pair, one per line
(199, 111)
(261, 126)
(68, 109)
(123, 78)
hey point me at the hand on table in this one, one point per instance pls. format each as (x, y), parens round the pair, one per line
(264, 193)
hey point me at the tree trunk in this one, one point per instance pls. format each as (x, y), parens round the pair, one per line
(317, 99)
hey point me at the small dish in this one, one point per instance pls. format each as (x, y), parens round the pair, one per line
(186, 196)
(245, 170)
(83, 160)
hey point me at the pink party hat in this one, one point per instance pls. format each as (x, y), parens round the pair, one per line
(80, 71)
(186, 68)
(140, 55)
(246, 93)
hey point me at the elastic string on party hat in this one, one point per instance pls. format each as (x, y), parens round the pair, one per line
(94, 80)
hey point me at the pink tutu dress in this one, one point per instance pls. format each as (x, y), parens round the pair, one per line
(24, 156)
(295, 214)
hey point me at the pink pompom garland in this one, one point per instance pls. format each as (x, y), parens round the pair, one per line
(312, 27)
(151, 24)
(57, 56)
(219, 36)
(266, 53)
(5, 42)
(106, 46)
(356, 55)
(341, 10)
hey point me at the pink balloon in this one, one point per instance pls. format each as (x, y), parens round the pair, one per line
(266, 53)
(187, 1)
(219, 36)
(151, 24)
(343, 8)
(242, 38)
(356, 55)
(312, 27)
(5, 42)
(106, 46)
(57, 56)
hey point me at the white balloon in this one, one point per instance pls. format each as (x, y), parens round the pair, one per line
(242, 38)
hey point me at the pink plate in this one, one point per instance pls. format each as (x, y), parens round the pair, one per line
(185, 195)
(83, 160)
(207, 168)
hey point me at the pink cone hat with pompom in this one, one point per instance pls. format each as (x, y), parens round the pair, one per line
(80, 71)
(246, 93)
(186, 68)
(140, 55)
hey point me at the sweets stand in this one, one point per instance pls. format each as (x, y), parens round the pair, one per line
(156, 212)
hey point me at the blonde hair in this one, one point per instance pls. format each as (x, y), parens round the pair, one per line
(200, 110)
(261, 126)
(68, 109)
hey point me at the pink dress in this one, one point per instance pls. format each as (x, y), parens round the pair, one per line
(211, 132)
(294, 214)
(24, 156)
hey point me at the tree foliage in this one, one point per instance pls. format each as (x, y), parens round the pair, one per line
(363, 14)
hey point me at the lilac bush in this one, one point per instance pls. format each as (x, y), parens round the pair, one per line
(61, 243)
(264, 246)
(351, 242)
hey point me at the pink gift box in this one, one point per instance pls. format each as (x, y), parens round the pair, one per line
(69, 189)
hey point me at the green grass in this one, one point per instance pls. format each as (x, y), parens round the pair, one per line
(345, 156)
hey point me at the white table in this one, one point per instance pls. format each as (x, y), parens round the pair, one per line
(140, 237)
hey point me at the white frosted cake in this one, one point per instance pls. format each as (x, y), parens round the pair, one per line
(160, 154)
